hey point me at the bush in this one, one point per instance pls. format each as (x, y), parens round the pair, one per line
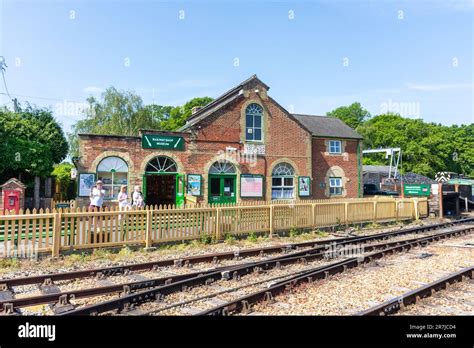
(252, 237)
(205, 239)
(229, 238)
(294, 232)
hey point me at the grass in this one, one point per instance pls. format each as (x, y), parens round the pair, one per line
(9, 263)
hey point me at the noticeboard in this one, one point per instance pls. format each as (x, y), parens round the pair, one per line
(251, 185)
(416, 190)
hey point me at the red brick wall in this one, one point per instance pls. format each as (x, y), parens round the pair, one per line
(323, 161)
(284, 139)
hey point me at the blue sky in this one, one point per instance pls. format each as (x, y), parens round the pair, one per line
(415, 57)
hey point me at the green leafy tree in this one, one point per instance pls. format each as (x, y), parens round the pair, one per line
(123, 113)
(427, 147)
(179, 115)
(31, 142)
(353, 115)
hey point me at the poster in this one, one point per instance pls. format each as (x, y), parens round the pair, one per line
(304, 185)
(251, 185)
(86, 181)
(194, 184)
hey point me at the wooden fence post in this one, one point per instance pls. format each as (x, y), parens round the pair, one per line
(218, 223)
(375, 210)
(396, 210)
(346, 213)
(56, 233)
(271, 220)
(313, 215)
(415, 205)
(149, 221)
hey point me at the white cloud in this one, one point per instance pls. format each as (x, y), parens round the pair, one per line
(433, 87)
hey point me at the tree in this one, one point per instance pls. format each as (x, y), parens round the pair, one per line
(62, 174)
(179, 115)
(31, 142)
(353, 115)
(427, 147)
(123, 113)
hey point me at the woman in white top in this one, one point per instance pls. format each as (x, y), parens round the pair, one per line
(123, 197)
(97, 195)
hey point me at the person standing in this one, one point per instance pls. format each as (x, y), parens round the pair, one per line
(97, 196)
(123, 197)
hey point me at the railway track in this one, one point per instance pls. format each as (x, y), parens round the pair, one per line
(131, 302)
(414, 296)
(171, 284)
(244, 304)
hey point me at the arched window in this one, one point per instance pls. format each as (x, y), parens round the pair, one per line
(161, 164)
(222, 167)
(283, 181)
(253, 122)
(113, 172)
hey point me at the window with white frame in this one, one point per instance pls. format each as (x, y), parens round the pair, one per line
(283, 182)
(335, 186)
(113, 172)
(253, 122)
(335, 146)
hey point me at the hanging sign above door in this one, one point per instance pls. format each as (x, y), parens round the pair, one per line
(164, 142)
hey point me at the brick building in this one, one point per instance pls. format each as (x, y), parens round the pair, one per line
(242, 146)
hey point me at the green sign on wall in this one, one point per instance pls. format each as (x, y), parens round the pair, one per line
(164, 142)
(417, 190)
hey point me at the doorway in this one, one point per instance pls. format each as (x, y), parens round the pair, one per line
(160, 189)
(222, 188)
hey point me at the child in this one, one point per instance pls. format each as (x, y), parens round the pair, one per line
(123, 197)
(137, 198)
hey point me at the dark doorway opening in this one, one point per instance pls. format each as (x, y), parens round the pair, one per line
(161, 189)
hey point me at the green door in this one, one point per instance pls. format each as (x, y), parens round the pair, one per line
(222, 188)
(180, 187)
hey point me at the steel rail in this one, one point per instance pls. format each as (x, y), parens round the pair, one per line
(243, 304)
(310, 254)
(412, 297)
(156, 293)
(214, 257)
